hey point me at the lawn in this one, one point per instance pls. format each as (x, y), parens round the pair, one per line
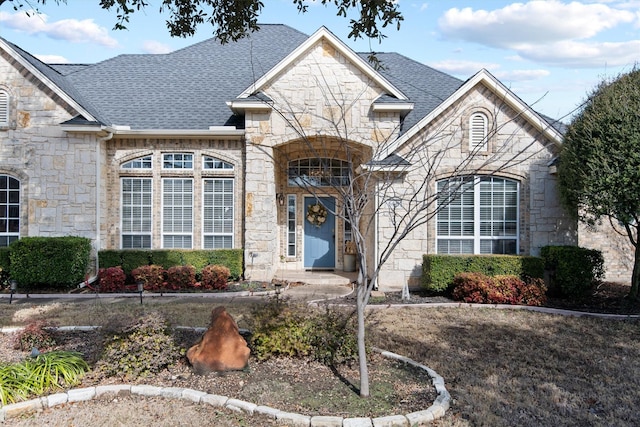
(502, 367)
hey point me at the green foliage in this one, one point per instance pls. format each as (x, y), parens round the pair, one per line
(112, 279)
(284, 329)
(572, 269)
(110, 258)
(230, 258)
(438, 271)
(35, 335)
(132, 259)
(56, 369)
(214, 277)
(142, 348)
(197, 258)
(59, 262)
(502, 289)
(166, 258)
(181, 277)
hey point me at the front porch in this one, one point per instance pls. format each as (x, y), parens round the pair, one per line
(338, 278)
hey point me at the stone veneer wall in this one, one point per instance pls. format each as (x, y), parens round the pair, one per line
(121, 150)
(516, 151)
(320, 94)
(57, 170)
(615, 246)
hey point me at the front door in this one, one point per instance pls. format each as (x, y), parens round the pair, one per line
(319, 232)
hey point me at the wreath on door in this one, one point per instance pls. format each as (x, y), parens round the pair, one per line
(317, 214)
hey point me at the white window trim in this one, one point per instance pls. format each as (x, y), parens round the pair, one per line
(478, 142)
(5, 108)
(164, 155)
(477, 237)
(224, 163)
(9, 234)
(135, 233)
(173, 233)
(143, 160)
(233, 210)
(292, 201)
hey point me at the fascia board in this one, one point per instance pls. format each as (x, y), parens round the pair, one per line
(47, 82)
(213, 131)
(323, 32)
(486, 78)
(239, 106)
(393, 107)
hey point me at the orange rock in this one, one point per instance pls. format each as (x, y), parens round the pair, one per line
(221, 348)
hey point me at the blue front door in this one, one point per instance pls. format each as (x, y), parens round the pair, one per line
(319, 234)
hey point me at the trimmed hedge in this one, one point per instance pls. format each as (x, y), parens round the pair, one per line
(572, 269)
(438, 271)
(59, 262)
(4, 258)
(130, 259)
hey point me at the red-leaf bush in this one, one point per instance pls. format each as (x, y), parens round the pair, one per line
(112, 279)
(181, 277)
(215, 277)
(480, 289)
(151, 276)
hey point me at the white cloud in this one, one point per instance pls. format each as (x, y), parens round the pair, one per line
(153, 46)
(463, 68)
(535, 22)
(576, 54)
(72, 30)
(52, 59)
(521, 75)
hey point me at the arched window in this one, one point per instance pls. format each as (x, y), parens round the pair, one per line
(316, 172)
(9, 210)
(4, 108)
(478, 131)
(139, 163)
(209, 163)
(478, 215)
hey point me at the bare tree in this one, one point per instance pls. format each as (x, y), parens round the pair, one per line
(389, 182)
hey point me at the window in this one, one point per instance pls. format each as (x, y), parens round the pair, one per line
(318, 172)
(177, 161)
(213, 163)
(136, 213)
(477, 215)
(177, 213)
(4, 108)
(139, 163)
(9, 210)
(291, 225)
(218, 213)
(478, 130)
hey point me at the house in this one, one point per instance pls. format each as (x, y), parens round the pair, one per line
(204, 148)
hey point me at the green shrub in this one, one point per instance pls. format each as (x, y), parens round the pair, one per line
(142, 348)
(112, 279)
(110, 258)
(151, 276)
(166, 258)
(181, 277)
(59, 262)
(479, 288)
(438, 271)
(198, 258)
(215, 277)
(230, 258)
(34, 335)
(572, 270)
(133, 258)
(284, 329)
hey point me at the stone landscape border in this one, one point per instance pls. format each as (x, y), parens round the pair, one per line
(435, 411)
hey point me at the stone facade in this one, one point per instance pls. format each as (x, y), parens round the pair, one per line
(617, 250)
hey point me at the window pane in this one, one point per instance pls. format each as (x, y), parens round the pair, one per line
(136, 213)
(9, 209)
(217, 223)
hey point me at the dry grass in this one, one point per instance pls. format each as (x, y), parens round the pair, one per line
(502, 367)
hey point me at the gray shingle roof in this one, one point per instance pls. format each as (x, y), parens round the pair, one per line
(189, 88)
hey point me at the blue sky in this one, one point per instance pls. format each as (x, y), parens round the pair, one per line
(551, 53)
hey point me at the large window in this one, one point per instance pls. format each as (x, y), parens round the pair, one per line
(9, 210)
(136, 213)
(177, 213)
(477, 215)
(218, 213)
(318, 172)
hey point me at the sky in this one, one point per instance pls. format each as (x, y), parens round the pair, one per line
(551, 53)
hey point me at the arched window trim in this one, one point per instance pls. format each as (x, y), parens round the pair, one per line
(318, 172)
(478, 215)
(143, 162)
(214, 163)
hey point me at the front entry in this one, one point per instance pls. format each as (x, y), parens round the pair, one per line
(319, 232)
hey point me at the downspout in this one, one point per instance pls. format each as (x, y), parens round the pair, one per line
(97, 243)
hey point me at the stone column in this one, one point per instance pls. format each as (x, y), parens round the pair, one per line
(260, 248)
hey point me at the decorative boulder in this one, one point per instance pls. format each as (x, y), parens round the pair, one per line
(221, 348)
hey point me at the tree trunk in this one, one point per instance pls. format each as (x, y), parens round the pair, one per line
(635, 276)
(362, 350)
